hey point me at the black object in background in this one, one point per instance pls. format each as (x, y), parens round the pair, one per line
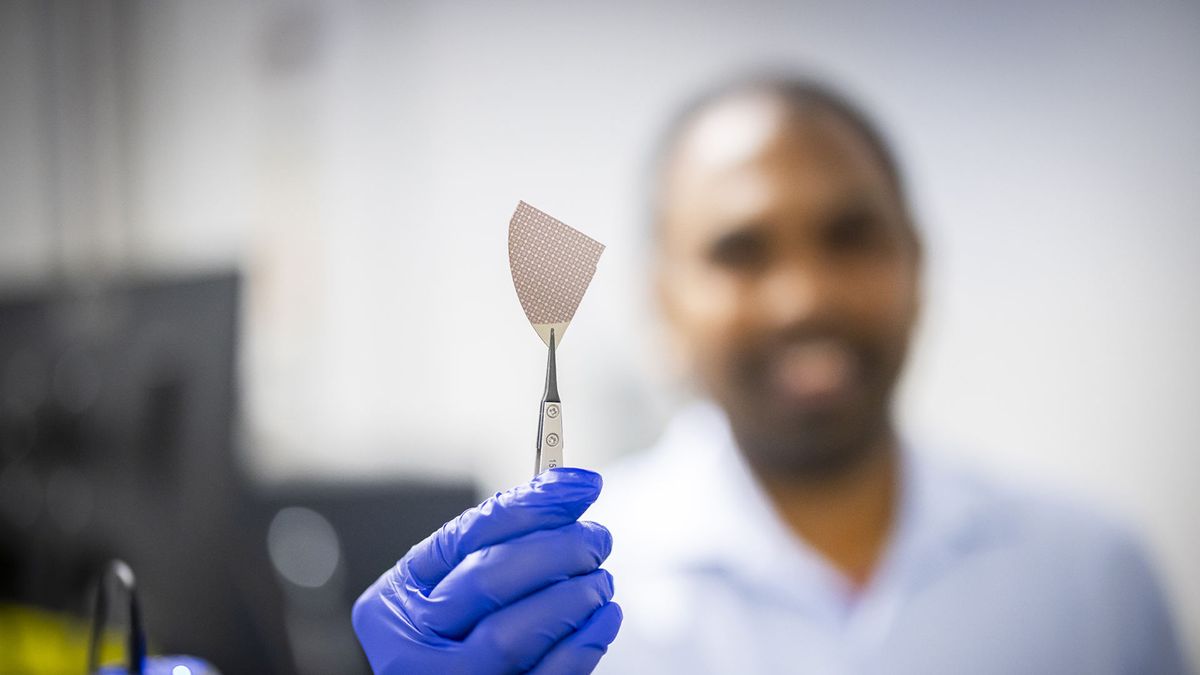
(117, 419)
(328, 542)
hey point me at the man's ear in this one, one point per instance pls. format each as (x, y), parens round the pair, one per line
(678, 357)
(918, 247)
(918, 263)
(666, 293)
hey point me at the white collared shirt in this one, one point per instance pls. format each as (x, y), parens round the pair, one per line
(976, 578)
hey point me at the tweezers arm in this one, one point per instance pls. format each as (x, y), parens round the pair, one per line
(550, 437)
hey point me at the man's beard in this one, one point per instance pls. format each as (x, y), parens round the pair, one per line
(809, 448)
(811, 437)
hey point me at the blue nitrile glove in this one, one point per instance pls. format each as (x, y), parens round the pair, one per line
(513, 585)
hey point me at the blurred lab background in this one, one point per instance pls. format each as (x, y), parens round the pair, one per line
(257, 329)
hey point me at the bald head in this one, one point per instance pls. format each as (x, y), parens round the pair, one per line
(788, 269)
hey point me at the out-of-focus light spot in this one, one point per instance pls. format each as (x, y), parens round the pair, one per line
(181, 670)
(303, 546)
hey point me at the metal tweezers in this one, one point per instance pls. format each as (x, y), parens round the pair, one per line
(550, 439)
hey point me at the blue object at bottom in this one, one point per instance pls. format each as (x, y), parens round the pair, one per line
(166, 665)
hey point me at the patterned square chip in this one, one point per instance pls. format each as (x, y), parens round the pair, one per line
(552, 265)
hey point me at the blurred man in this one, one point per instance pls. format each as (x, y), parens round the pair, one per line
(782, 525)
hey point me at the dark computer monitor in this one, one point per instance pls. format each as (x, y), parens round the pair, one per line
(118, 410)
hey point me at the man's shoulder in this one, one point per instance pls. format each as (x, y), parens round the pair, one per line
(1021, 511)
(1053, 544)
(1041, 541)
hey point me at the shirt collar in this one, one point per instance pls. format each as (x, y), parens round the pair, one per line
(727, 524)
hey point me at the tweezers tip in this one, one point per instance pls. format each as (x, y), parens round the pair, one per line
(551, 373)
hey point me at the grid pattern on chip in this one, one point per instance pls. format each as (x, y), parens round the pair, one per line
(552, 264)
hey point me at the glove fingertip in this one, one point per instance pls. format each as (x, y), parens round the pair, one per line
(552, 499)
(566, 484)
(601, 539)
(608, 582)
(570, 474)
(580, 652)
(607, 623)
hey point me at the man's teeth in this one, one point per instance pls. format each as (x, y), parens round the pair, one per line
(816, 368)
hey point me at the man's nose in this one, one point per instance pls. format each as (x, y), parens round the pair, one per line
(797, 291)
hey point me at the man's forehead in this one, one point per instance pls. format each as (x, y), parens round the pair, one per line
(729, 132)
(751, 151)
(761, 127)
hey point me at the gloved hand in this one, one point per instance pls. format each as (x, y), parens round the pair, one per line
(513, 585)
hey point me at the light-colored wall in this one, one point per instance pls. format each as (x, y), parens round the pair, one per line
(360, 162)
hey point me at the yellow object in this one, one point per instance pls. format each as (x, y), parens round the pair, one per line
(39, 642)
